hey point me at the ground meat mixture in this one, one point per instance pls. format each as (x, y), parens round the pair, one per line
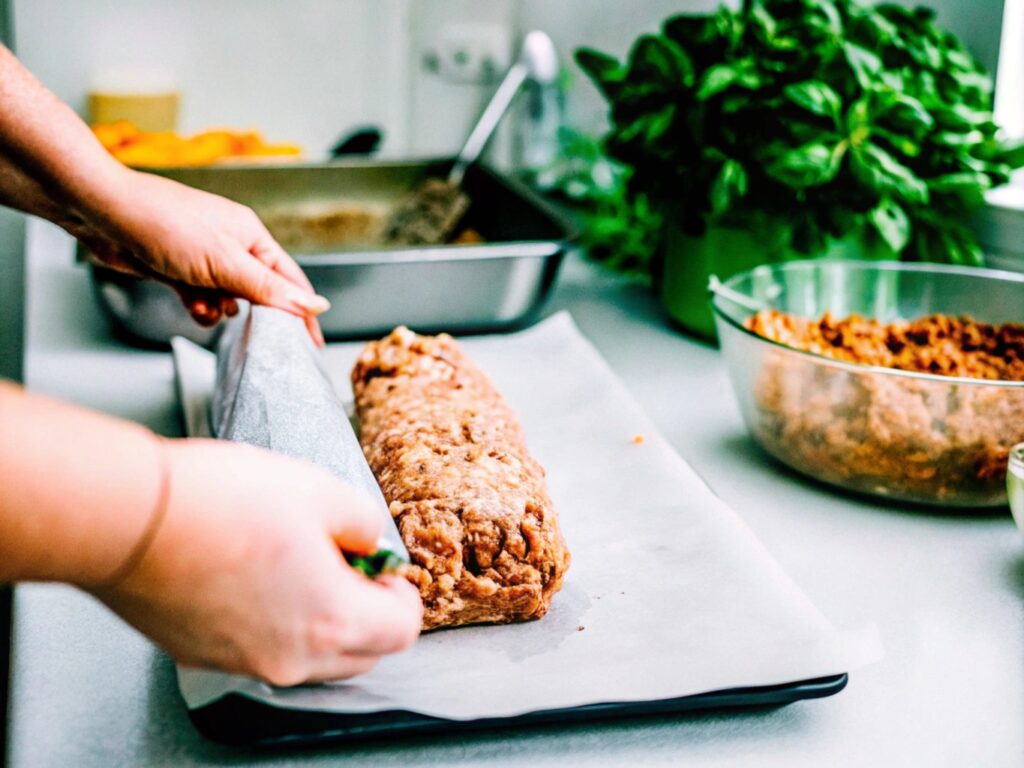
(939, 344)
(925, 440)
(469, 500)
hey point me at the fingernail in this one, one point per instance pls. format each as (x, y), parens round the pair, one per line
(313, 304)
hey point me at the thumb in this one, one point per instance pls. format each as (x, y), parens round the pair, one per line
(354, 522)
(245, 276)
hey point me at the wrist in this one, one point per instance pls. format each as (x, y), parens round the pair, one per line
(157, 515)
(104, 200)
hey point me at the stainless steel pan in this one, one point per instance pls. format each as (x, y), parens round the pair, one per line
(493, 285)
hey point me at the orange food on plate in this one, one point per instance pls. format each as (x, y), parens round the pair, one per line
(165, 149)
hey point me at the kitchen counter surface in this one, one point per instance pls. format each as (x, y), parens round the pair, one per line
(946, 590)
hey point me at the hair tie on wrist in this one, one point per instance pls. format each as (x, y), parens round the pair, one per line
(156, 518)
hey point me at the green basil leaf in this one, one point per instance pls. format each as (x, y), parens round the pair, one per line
(893, 80)
(816, 97)
(661, 59)
(892, 223)
(736, 101)
(728, 26)
(693, 33)
(969, 187)
(716, 80)
(730, 184)
(907, 112)
(961, 59)
(649, 127)
(599, 67)
(760, 18)
(959, 247)
(1012, 153)
(899, 142)
(961, 116)
(955, 139)
(926, 53)
(810, 165)
(884, 173)
(722, 76)
(974, 81)
(865, 65)
(857, 117)
(883, 31)
(659, 123)
(833, 19)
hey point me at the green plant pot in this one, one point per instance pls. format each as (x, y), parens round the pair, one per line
(689, 262)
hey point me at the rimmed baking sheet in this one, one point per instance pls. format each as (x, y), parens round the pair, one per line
(671, 602)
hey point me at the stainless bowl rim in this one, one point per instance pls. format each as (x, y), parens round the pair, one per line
(880, 266)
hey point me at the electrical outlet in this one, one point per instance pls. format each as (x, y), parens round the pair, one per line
(469, 53)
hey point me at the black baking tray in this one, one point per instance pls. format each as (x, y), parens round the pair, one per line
(238, 720)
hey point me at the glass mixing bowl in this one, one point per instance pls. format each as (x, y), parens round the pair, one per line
(899, 434)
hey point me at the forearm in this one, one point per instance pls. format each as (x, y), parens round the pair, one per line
(77, 490)
(44, 140)
(20, 190)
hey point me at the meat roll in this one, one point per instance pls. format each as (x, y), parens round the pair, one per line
(470, 502)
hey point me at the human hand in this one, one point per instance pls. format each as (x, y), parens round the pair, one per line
(245, 573)
(211, 250)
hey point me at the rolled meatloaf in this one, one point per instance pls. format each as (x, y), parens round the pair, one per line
(470, 502)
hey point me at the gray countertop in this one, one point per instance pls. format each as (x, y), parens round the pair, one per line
(945, 590)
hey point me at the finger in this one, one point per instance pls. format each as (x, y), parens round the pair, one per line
(354, 521)
(313, 326)
(230, 307)
(205, 305)
(274, 256)
(244, 275)
(267, 250)
(341, 667)
(384, 616)
(208, 318)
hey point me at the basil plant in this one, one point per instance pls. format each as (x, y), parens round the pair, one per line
(823, 118)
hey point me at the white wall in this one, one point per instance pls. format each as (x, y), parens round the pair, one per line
(442, 112)
(301, 70)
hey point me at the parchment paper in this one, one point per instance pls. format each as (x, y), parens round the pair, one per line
(272, 391)
(669, 593)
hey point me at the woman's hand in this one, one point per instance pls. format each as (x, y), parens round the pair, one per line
(210, 249)
(245, 573)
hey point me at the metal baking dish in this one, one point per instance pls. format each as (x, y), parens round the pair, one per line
(495, 285)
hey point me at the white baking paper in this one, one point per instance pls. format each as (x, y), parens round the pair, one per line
(272, 391)
(669, 593)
